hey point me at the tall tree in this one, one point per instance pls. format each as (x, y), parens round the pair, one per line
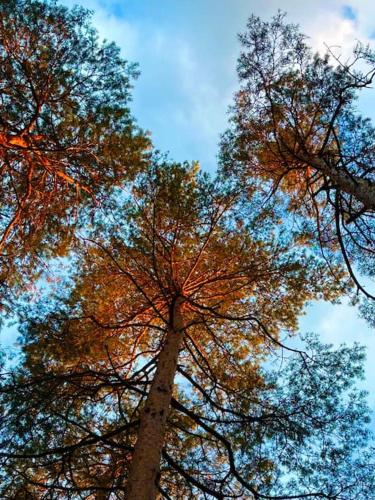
(66, 133)
(173, 282)
(296, 128)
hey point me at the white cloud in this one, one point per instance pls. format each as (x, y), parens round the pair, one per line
(187, 53)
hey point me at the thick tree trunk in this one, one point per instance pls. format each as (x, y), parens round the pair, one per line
(144, 470)
(361, 189)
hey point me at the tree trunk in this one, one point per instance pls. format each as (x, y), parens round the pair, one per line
(361, 189)
(145, 467)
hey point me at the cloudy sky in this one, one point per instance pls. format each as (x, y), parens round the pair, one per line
(187, 50)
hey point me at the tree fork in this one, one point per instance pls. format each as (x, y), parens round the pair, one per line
(360, 188)
(145, 466)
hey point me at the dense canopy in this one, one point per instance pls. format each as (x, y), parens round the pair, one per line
(169, 281)
(158, 354)
(66, 133)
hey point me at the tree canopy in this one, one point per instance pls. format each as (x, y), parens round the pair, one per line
(171, 284)
(66, 133)
(295, 125)
(158, 363)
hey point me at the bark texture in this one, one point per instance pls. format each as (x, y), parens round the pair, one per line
(361, 189)
(145, 468)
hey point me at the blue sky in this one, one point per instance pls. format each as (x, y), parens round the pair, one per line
(187, 50)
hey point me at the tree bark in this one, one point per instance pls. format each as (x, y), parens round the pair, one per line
(145, 467)
(361, 189)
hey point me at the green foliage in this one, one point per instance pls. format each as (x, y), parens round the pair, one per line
(66, 133)
(73, 405)
(249, 417)
(296, 133)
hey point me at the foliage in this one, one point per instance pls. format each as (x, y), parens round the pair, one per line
(248, 416)
(295, 129)
(66, 133)
(72, 408)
